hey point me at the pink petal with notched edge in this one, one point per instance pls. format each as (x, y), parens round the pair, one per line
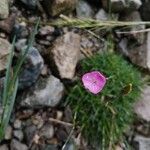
(94, 81)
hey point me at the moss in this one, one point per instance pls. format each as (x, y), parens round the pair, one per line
(104, 117)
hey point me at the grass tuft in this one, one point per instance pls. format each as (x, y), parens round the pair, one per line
(103, 118)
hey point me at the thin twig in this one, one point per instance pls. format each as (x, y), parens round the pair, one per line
(60, 122)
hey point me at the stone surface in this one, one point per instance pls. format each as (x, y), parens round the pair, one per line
(101, 15)
(84, 10)
(16, 145)
(56, 7)
(20, 44)
(18, 134)
(4, 52)
(20, 31)
(17, 124)
(29, 133)
(143, 142)
(4, 147)
(8, 24)
(122, 5)
(4, 10)
(138, 54)
(47, 131)
(31, 69)
(145, 11)
(31, 4)
(142, 107)
(8, 133)
(65, 54)
(136, 38)
(46, 92)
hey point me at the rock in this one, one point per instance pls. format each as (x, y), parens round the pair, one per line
(20, 44)
(17, 124)
(139, 37)
(46, 30)
(61, 134)
(145, 11)
(31, 69)
(4, 52)
(59, 115)
(122, 5)
(90, 44)
(38, 121)
(68, 116)
(56, 7)
(18, 134)
(47, 131)
(4, 10)
(101, 15)
(141, 108)
(4, 147)
(29, 133)
(46, 92)
(16, 145)
(8, 24)
(50, 147)
(84, 10)
(8, 133)
(138, 54)
(143, 142)
(31, 4)
(65, 54)
(70, 146)
(20, 31)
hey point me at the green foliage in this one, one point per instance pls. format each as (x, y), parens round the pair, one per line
(11, 84)
(104, 117)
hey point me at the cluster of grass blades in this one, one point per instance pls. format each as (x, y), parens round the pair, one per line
(103, 118)
(9, 92)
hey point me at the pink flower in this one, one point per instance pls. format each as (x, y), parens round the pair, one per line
(94, 81)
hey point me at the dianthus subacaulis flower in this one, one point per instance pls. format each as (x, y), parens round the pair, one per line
(94, 81)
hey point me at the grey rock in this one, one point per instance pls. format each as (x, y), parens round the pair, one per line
(20, 31)
(116, 5)
(84, 10)
(46, 30)
(134, 16)
(47, 131)
(101, 15)
(20, 44)
(7, 24)
(4, 9)
(143, 142)
(122, 5)
(18, 134)
(29, 133)
(138, 54)
(31, 4)
(16, 145)
(56, 7)
(4, 147)
(31, 68)
(50, 147)
(17, 124)
(145, 11)
(65, 54)
(4, 52)
(141, 108)
(70, 146)
(46, 92)
(8, 133)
